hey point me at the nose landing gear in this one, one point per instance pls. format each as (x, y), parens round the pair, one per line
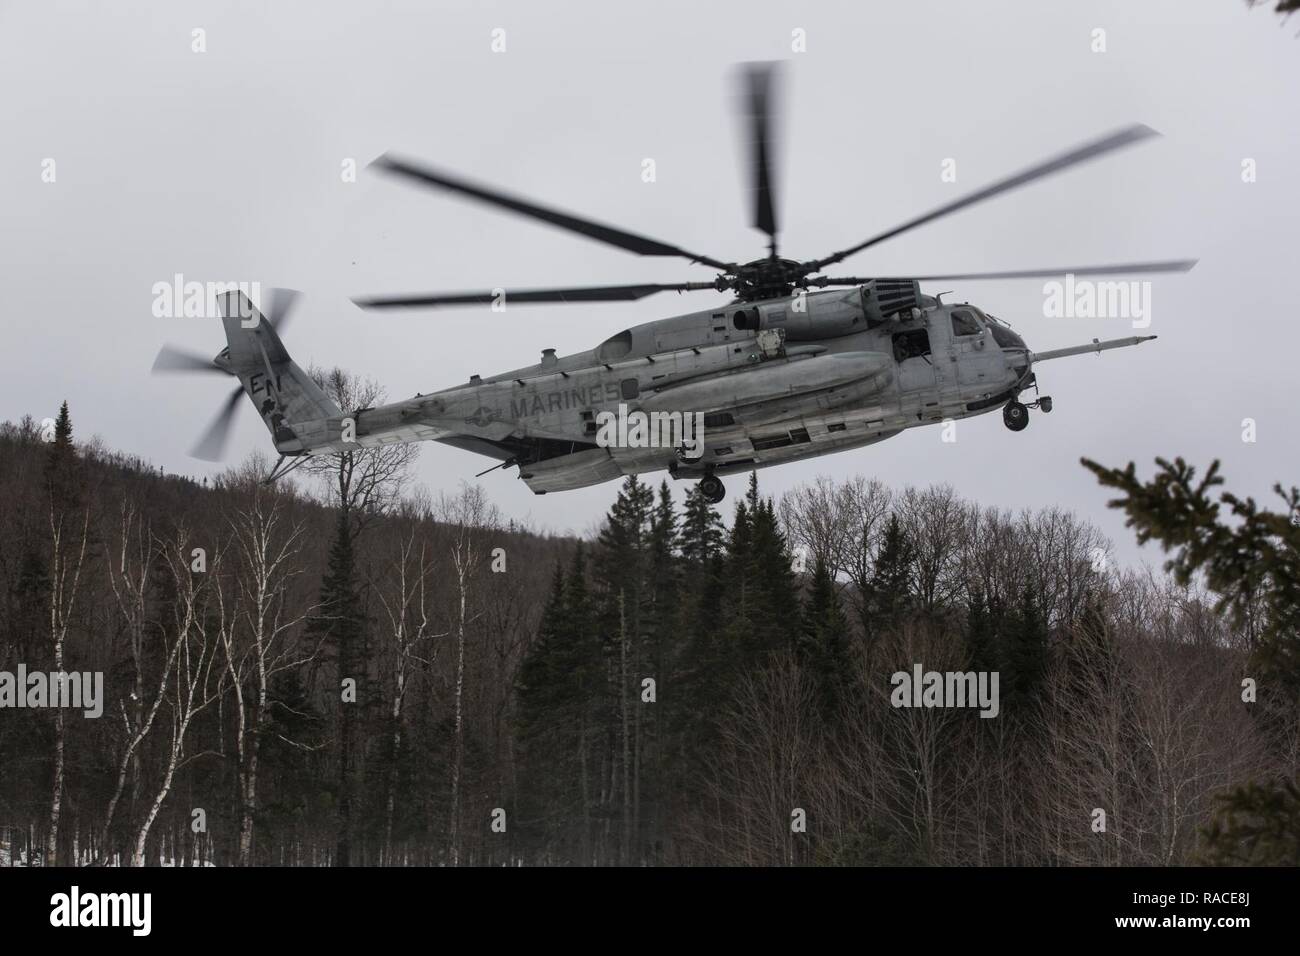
(713, 489)
(1015, 415)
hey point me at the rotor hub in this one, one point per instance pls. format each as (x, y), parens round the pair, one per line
(767, 278)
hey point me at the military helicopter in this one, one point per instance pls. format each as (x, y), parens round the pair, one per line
(797, 364)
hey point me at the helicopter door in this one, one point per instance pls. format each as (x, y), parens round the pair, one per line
(972, 359)
(915, 359)
(948, 357)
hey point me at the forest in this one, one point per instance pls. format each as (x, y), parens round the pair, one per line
(343, 670)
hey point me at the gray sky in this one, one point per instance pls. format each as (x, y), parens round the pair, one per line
(225, 165)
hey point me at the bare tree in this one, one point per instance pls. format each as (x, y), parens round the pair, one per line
(129, 575)
(936, 523)
(367, 482)
(67, 559)
(765, 776)
(254, 635)
(470, 520)
(405, 592)
(192, 688)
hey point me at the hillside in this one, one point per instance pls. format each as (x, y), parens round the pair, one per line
(394, 680)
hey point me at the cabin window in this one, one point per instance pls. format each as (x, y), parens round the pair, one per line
(629, 388)
(963, 323)
(911, 344)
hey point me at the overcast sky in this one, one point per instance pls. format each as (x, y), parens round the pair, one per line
(225, 165)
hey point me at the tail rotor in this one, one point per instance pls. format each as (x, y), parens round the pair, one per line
(171, 359)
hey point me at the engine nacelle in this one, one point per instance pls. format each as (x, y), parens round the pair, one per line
(886, 298)
(822, 315)
(828, 315)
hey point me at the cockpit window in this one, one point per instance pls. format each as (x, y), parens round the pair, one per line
(1005, 338)
(963, 323)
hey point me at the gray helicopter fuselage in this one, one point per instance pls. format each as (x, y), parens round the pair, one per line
(775, 381)
(763, 383)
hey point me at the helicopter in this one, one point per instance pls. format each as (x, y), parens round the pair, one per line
(797, 364)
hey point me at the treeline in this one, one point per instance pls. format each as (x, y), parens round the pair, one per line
(773, 737)
(345, 672)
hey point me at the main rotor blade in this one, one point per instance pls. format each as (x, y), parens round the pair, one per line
(213, 442)
(279, 305)
(1117, 140)
(641, 245)
(608, 293)
(758, 80)
(172, 359)
(1121, 268)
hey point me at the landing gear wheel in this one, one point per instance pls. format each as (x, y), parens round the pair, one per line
(713, 489)
(1015, 416)
(1045, 404)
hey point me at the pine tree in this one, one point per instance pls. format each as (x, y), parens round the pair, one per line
(560, 693)
(340, 624)
(624, 551)
(983, 615)
(762, 605)
(1024, 652)
(658, 656)
(1257, 824)
(1253, 565)
(888, 594)
(62, 472)
(701, 534)
(824, 640)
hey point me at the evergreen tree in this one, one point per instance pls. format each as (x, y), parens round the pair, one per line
(983, 615)
(623, 549)
(664, 613)
(1011, 641)
(62, 474)
(824, 640)
(663, 618)
(1253, 565)
(761, 600)
(1024, 652)
(1257, 824)
(701, 534)
(773, 570)
(340, 625)
(888, 594)
(560, 686)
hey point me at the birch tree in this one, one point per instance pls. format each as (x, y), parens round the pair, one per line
(405, 594)
(255, 636)
(192, 687)
(470, 518)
